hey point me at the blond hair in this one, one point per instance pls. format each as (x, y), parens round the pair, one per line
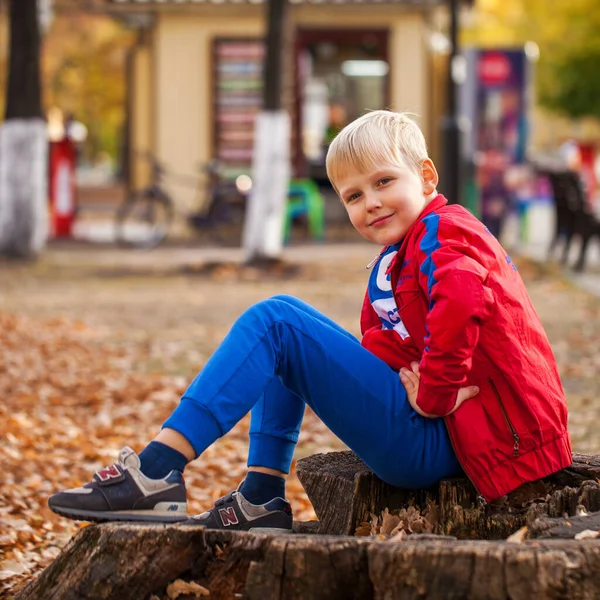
(377, 138)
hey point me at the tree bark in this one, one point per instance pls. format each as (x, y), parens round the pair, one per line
(23, 141)
(23, 188)
(133, 562)
(24, 92)
(566, 528)
(344, 493)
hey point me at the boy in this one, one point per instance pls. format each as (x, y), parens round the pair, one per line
(460, 300)
(443, 299)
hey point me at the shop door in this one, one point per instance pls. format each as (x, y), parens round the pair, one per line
(340, 75)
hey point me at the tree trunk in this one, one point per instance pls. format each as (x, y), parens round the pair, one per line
(133, 562)
(345, 493)
(24, 92)
(23, 141)
(263, 229)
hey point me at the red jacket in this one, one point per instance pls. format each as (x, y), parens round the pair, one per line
(471, 322)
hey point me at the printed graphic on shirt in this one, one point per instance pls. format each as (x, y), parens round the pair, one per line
(381, 297)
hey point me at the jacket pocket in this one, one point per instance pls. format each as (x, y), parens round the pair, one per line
(514, 433)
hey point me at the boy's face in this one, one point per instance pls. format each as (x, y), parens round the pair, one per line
(382, 204)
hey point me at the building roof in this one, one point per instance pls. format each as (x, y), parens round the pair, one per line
(180, 2)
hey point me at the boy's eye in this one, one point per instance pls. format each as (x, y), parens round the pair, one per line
(353, 197)
(384, 180)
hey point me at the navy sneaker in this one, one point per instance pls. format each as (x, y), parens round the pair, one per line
(235, 512)
(122, 492)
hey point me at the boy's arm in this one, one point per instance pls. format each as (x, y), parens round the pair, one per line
(453, 279)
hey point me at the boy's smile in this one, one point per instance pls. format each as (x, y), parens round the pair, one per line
(383, 203)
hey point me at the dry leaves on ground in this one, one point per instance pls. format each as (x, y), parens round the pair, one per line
(68, 406)
(402, 522)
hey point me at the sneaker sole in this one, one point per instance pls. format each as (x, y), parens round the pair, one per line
(278, 530)
(102, 517)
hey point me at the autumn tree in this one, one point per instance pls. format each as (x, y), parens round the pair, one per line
(23, 146)
(571, 85)
(84, 74)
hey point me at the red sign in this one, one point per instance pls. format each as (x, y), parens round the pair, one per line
(493, 68)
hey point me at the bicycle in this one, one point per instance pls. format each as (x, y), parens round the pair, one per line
(145, 217)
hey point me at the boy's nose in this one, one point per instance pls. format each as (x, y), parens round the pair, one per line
(373, 201)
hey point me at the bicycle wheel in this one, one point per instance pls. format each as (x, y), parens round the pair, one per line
(143, 220)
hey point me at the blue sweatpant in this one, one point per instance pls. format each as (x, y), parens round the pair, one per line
(282, 354)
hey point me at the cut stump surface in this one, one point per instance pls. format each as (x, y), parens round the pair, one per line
(136, 562)
(132, 562)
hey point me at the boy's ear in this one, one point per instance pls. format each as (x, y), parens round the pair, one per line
(430, 176)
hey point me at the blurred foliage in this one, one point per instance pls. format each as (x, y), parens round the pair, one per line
(83, 71)
(84, 75)
(578, 94)
(566, 32)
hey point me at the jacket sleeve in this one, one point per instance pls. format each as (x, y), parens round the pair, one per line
(386, 344)
(368, 317)
(454, 280)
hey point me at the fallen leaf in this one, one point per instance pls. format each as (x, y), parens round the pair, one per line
(399, 537)
(179, 586)
(9, 568)
(587, 534)
(518, 536)
(389, 522)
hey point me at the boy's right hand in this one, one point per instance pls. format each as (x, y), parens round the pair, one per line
(410, 381)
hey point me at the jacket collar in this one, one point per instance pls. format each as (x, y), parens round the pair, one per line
(434, 205)
(438, 202)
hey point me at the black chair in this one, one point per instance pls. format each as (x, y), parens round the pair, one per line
(573, 216)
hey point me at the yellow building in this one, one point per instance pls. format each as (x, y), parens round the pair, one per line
(195, 75)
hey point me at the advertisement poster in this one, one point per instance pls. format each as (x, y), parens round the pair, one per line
(494, 100)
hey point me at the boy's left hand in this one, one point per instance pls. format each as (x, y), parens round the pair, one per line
(410, 381)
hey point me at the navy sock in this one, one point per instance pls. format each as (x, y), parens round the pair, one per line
(158, 460)
(260, 488)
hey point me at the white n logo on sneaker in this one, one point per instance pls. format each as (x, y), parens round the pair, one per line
(228, 516)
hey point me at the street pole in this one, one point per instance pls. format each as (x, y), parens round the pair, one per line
(451, 180)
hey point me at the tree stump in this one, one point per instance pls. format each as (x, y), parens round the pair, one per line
(344, 493)
(139, 562)
(135, 562)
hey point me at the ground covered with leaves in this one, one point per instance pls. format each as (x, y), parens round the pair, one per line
(96, 348)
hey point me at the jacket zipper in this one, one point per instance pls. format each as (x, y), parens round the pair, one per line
(515, 435)
(372, 263)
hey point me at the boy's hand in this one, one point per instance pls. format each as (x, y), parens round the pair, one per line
(410, 381)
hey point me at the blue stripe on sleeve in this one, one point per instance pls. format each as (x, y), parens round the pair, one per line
(429, 244)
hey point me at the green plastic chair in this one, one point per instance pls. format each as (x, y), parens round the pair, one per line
(304, 198)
